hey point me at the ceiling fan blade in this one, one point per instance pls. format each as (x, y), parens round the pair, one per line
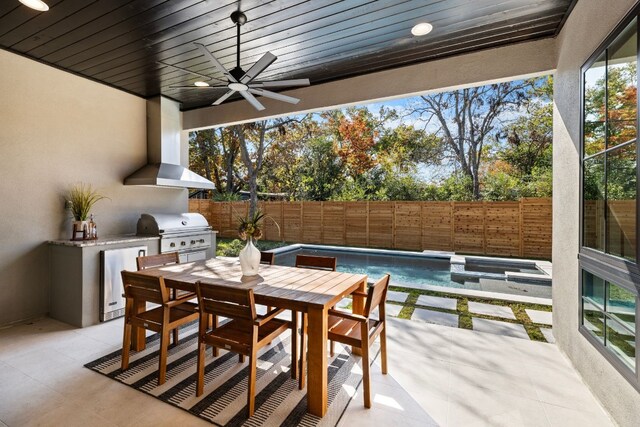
(188, 71)
(273, 95)
(252, 100)
(223, 98)
(262, 63)
(198, 87)
(215, 61)
(282, 83)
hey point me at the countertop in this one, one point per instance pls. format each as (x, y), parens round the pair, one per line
(107, 240)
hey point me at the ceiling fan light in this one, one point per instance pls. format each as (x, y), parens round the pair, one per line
(35, 4)
(421, 29)
(201, 84)
(238, 87)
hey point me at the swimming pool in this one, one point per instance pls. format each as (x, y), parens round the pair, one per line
(418, 270)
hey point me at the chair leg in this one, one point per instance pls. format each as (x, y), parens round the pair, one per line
(294, 345)
(383, 348)
(241, 358)
(162, 362)
(251, 386)
(126, 345)
(332, 348)
(366, 379)
(202, 347)
(213, 324)
(303, 352)
(175, 336)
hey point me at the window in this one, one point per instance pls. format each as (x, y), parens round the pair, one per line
(610, 277)
(609, 315)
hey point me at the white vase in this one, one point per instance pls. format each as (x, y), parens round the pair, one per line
(249, 259)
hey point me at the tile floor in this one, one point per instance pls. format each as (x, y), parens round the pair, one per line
(464, 378)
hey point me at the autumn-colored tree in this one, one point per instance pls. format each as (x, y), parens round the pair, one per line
(214, 153)
(355, 135)
(619, 84)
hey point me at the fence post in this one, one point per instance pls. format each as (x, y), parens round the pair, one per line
(301, 233)
(484, 227)
(368, 240)
(453, 225)
(322, 222)
(393, 225)
(521, 228)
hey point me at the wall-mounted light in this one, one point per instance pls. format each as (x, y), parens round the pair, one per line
(421, 29)
(38, 5)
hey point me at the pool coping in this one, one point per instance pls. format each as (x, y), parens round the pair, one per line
(457, 263)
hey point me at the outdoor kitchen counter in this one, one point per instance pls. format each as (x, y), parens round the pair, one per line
(107, 240)
(75, 269)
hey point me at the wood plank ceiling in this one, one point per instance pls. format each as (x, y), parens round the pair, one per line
(118, 42)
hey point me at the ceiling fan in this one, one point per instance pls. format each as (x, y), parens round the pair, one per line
(239, 80)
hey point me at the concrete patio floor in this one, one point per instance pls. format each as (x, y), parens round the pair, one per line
(437, 376)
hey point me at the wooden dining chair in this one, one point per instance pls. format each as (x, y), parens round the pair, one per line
(317, 263)
(245, 333)
(361, 330)
(267, 258)
(164, 318)
(161, 260)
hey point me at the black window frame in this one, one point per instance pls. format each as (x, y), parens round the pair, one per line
(611, 268)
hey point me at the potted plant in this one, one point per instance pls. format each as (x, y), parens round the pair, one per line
(249, 229)
(80, 200)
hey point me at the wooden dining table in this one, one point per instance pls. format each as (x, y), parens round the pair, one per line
(299, 289)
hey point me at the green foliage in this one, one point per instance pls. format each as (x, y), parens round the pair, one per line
(229, 247)
(225, 197)
(320, 170)
(232, 247)
(81, 198)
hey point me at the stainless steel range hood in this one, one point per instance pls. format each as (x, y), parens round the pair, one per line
(163, 168)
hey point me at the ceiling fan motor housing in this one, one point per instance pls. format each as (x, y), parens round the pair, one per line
(237, 73)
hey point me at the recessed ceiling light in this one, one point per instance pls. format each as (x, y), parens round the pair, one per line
(201, 84)
(35, 4)
(421, 29)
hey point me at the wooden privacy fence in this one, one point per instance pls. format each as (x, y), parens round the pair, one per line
(516, 229)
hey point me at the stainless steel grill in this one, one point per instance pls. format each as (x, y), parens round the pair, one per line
(189, 234)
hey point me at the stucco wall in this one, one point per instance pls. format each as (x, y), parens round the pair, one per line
(57, 129)
(587, 26)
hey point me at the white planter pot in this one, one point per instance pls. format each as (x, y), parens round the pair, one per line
(249, 259)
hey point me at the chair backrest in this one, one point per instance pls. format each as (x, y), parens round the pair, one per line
(144, 288)
(159, 260)
(267, 258)
(227, 301)
(317, 262)
(377, 295)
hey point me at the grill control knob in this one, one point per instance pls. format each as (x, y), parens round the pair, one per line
(172, 244)
(201, 240)
(193, 242)
(183, 243)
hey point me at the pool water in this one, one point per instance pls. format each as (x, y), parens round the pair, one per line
(404, 270)
(420, 271)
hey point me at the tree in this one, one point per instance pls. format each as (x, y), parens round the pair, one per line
(214, 154)
(254, 139)
(466, 118)
(320, 170)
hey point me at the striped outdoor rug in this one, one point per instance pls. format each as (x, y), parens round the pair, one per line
(278, 400)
